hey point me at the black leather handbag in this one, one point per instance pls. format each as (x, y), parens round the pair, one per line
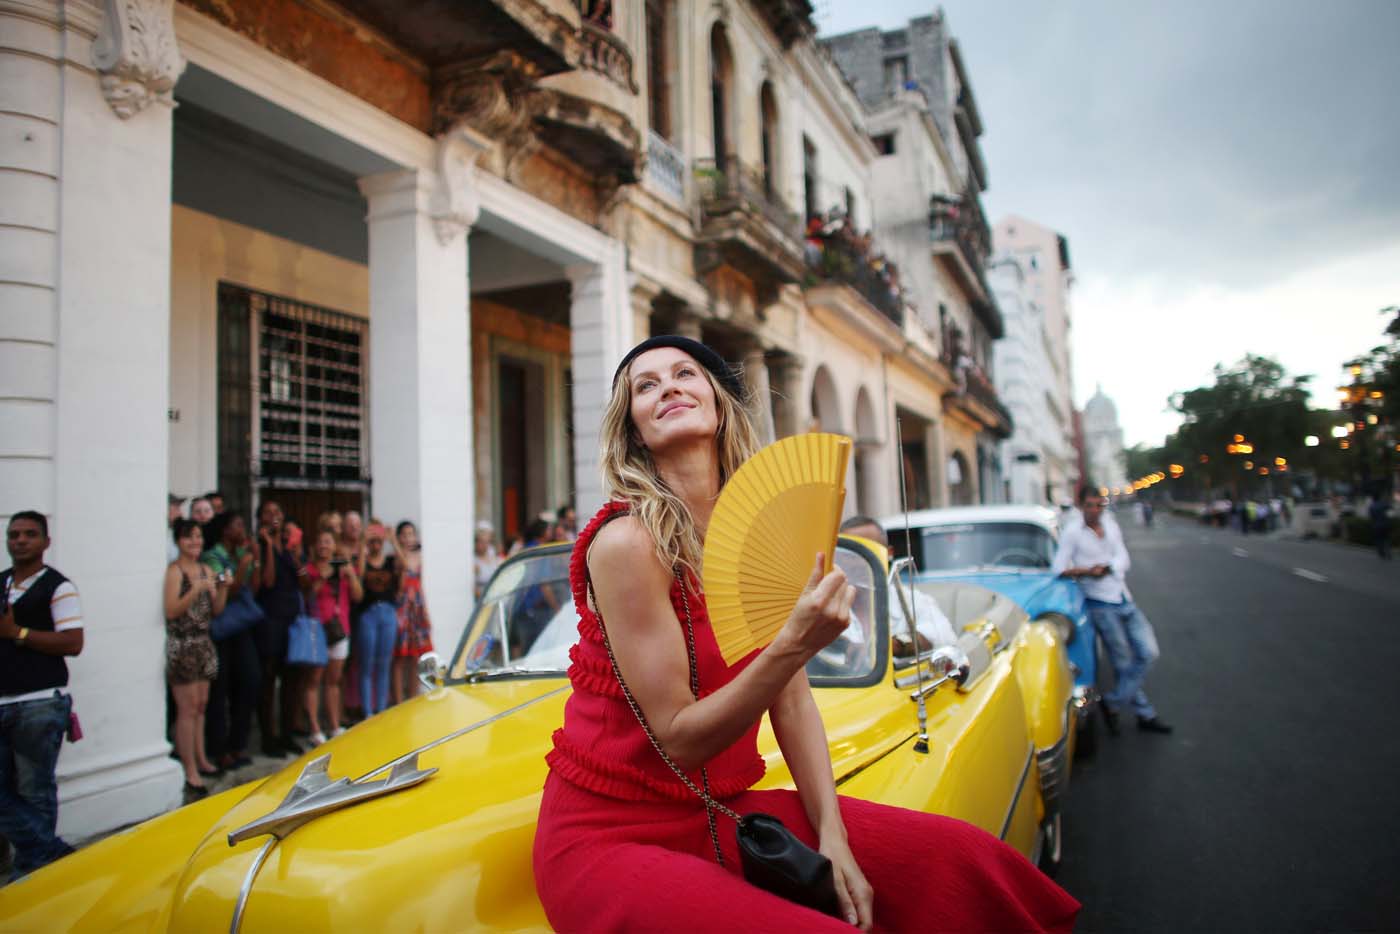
(770, 855)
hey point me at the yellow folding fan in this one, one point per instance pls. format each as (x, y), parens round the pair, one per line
(773, 516)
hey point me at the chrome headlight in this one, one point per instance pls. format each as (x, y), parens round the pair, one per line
(1062, 623)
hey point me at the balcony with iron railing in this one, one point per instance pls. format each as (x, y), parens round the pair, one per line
(745, 224)
(666, 168)
(841, 256)
(974, 393)
(590, 113)
(960, 239)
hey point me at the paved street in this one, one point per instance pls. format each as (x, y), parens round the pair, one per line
(1273, 806)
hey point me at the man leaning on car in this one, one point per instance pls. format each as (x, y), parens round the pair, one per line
(1093, 553)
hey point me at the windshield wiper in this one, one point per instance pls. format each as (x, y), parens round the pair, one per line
(513, 672)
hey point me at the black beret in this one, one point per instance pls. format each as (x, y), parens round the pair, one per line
(723, 373)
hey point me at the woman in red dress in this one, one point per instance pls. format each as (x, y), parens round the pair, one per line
(621, 843)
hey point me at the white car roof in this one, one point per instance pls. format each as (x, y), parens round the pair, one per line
(968, 515)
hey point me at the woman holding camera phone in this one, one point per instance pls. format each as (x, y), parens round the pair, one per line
(415, 628)
(193, 596)
(331, 586)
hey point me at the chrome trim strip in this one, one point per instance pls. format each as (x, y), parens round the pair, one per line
(247, 888)
(463, 731)
(1016, 798)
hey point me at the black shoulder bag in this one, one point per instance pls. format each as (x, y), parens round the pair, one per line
(771, 855)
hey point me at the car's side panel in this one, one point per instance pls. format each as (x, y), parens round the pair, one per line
(1046, 683)
(976, 763)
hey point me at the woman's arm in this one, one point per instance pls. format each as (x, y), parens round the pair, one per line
(632, 591)
(797, 725)
(357, 589)
(218, 597)
(176, 605)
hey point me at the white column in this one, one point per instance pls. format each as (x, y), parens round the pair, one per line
(601, 324)
(85, 165)
(760, 393)
(421, 456)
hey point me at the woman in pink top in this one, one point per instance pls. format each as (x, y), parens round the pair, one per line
(331, 586)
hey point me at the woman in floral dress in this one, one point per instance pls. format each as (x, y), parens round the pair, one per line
(415, 628)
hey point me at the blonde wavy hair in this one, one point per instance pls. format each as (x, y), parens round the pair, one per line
(630, 476)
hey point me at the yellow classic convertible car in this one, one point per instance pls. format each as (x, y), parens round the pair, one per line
(422, 818)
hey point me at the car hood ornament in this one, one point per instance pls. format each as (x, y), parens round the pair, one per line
(313, 795)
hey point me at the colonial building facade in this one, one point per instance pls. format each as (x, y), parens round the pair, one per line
(927, 189)
(348, 254)
(1032, 276)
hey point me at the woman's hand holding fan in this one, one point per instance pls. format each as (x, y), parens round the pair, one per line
(822, 613)
(780, 510)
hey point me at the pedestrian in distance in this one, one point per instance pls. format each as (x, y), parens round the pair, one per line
(201, 511)
(331, 587)
(566, 523)
(415, 636)
(41, 624)
(1094, 554)
(279, 594)
(1379, 511)
(351, 546)
(174, 510)
(194, 595)
(379, 620)
(233, 694)
(486, 558)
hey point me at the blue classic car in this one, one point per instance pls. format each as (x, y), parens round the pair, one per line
(1008, 549)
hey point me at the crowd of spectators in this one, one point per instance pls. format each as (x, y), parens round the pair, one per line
(233, 590)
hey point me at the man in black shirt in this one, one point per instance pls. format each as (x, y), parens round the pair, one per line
(40, 622)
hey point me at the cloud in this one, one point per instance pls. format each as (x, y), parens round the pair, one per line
(1226, 168)
(1144, 339)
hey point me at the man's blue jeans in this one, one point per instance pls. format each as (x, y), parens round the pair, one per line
(1132, 648)
(31, 733)
(379, 628)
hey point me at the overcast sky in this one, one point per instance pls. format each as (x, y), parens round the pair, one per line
(1228, 175)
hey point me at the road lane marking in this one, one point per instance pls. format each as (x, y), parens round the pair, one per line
(1240, 553)
(1310, 575)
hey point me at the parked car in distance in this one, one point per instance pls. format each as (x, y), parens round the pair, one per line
(422, 818)
(1009, 549)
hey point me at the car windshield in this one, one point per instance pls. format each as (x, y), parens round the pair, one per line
(525, 623)
(978, 544)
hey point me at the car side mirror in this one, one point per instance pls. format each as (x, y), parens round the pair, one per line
(431, 671)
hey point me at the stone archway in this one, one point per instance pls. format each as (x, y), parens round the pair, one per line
(826, 403)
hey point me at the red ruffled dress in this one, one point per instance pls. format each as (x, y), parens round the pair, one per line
(622, 845)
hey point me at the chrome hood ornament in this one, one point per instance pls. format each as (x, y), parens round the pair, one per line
(313, 795)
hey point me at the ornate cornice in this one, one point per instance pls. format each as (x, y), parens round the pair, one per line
(490, 95)
(136, 54)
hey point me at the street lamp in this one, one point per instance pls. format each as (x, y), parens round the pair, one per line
(1341, 431)
(1310, 441)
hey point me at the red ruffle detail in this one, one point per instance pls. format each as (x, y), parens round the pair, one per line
(617, 779)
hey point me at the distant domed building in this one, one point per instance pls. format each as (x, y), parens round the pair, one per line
(1103, 441)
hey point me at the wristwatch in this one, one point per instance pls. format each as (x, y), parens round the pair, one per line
(23, 634)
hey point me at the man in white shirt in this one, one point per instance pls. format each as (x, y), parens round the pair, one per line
(932, 625)
(41, 623)
(1094, 554)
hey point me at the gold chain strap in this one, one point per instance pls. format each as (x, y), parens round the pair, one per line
(711, 805)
